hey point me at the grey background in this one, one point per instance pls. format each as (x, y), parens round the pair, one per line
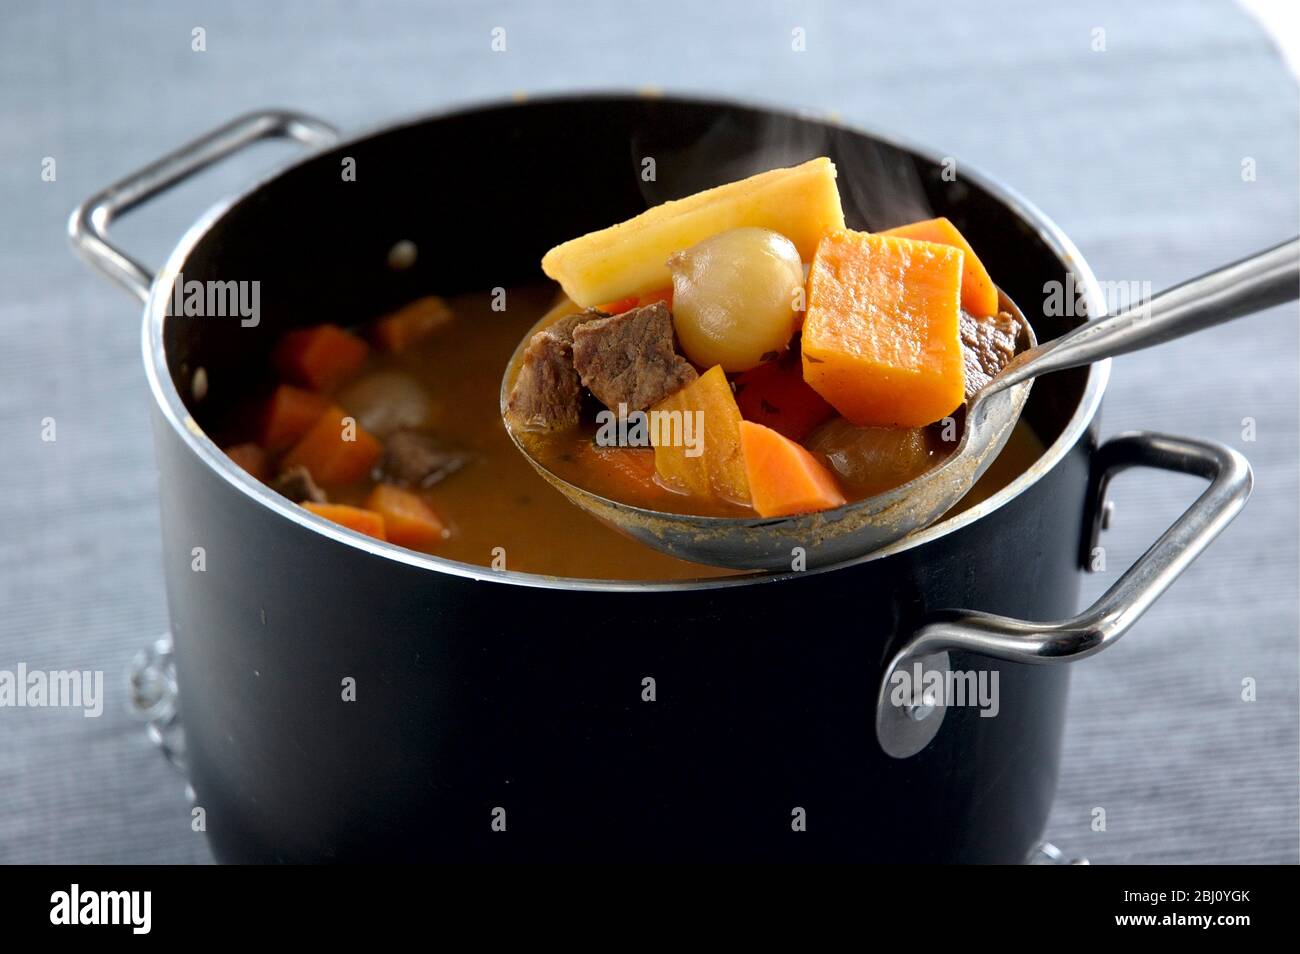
(1136, 151)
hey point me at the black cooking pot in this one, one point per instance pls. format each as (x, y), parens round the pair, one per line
(488, 700)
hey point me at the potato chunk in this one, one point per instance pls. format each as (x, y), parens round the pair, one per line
(631, 258)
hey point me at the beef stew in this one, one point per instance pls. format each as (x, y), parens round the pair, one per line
(493, 507)
(394, 427)
(767, 378)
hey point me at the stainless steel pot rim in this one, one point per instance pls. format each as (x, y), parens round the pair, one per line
(178, 416)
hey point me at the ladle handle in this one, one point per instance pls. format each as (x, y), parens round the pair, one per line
(1261, 281)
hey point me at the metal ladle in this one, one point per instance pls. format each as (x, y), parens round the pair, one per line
(768, 543)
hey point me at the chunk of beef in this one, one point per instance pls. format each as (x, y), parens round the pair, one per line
(630, 359)
(547, 393)
(416, 459)
(987, 344)
(296, 484)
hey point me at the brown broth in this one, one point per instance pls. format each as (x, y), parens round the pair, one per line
(1022, 448)
(499, 501)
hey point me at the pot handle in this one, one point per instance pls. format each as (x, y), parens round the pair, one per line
(903, 730)
(88, 226)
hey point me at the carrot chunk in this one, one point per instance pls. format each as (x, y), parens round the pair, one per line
(354, 518)
(664, 295)
(289, 414)
(336, 450)
(622, 473)
(619, 306)
(979, 295)
(319, 358)
(775, 395)
(408, 520)
(785, 479)
(633, 465)
(250, 457)
(411, 323)
(880, 340)
(697, 439)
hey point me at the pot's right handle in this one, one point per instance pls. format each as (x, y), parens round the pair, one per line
(905, 730)
(88, 226)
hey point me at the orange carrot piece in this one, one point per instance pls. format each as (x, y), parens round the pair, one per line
(319, 358)
(624, 473)
(664, 295)
(289, 414)
(880, 340)
(411, 323)
(775, 395)
(354, 518)
(785, 479)
(618, 307)
(409, 521)
(979, 295)
(336, 450)
(250, 457)
(633, 464)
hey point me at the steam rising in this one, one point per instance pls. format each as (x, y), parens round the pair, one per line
(879, 185)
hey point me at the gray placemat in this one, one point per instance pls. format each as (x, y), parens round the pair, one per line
(1136, 150)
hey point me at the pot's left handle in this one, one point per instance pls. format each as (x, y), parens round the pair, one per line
(903, 730)
(88, 226)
